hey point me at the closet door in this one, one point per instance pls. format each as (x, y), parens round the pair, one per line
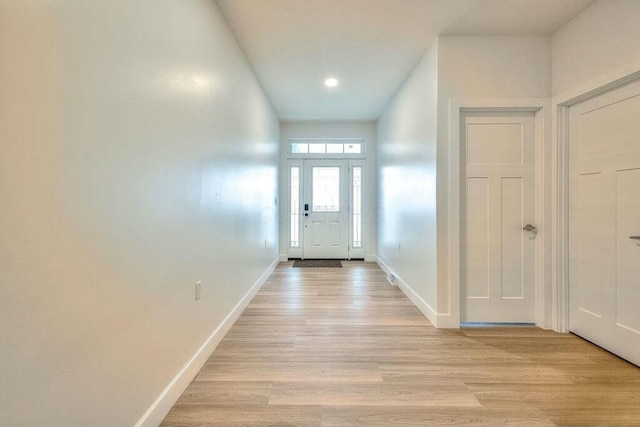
(604, 220)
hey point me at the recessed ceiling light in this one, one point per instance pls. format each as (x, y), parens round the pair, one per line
(331, 82)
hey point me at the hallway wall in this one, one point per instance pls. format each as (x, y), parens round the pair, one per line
(603, 38)
(138, 155)
(407, 139)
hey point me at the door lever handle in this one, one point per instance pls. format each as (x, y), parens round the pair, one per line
(634, 237)
(529, 227)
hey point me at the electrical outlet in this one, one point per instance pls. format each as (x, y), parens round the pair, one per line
(198, 289)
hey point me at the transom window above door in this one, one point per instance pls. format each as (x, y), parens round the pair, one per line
(317, 147)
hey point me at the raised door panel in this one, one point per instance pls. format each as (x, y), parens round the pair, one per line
(628, 250)
(494, 144)
(513, 239)
(317, 235)
(589, 260)
(336, 234)
(478, 238)
(609, 128)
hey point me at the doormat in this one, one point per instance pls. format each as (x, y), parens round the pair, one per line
(317, 263)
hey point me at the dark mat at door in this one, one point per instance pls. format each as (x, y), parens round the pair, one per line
(317, 263)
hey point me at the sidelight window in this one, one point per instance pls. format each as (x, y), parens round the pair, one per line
(357, 207)
(294, 240)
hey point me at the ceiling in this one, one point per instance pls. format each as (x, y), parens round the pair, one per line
(370, 46)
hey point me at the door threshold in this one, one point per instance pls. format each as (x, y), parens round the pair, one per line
(495, 325)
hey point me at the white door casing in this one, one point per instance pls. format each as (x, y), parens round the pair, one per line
(497, 202)
(604, 213)
(325, 209)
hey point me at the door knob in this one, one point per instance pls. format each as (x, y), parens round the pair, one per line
(529, 227)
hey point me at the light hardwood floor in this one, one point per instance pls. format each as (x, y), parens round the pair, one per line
(340, 347)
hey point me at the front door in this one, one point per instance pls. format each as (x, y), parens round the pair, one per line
(497, 211)
(325, 209)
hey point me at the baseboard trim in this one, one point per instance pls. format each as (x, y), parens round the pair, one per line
(384, 266)
(170, 395)
(421, 304)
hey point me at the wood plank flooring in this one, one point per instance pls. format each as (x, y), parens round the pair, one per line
(340, 347)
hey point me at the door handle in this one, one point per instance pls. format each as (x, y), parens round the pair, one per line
(532, 228)
(306, 206)
(634, 237)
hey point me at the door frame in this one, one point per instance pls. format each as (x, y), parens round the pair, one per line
(540, 107)
(560, 184)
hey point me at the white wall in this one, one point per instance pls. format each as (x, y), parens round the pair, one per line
(332, 129)
(493, 67)
(480, 67)
(138, 155)
(407, 132)
(606, 36)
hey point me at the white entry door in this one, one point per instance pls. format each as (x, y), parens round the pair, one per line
(497, 217)
(326, 209)
(604, 221)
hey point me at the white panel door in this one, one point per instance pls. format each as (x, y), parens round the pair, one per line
(326, 209)
(604, 221)
(498, 252)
